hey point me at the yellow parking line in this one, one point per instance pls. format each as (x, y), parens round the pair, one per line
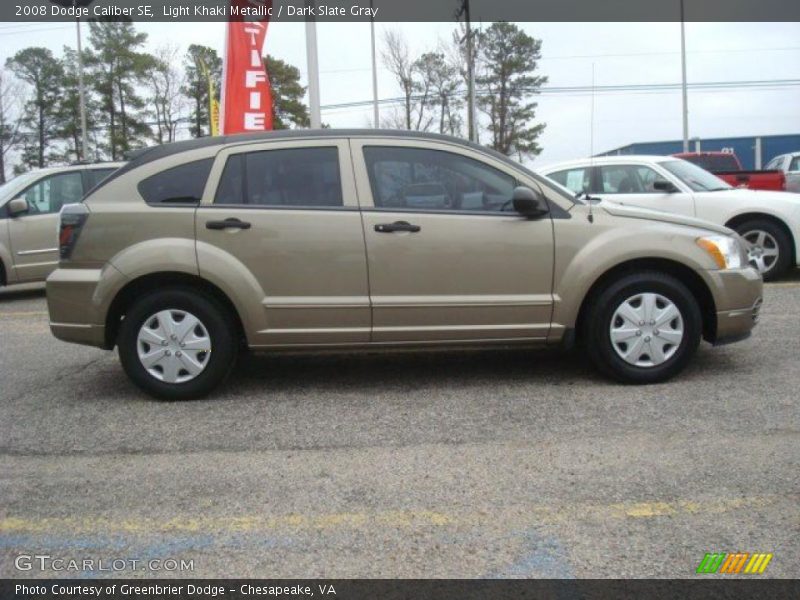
(31, 313)
(790, 284)
(395, 519)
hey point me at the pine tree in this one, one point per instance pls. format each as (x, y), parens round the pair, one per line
(196, 85)
(44, 73)
(507, 63)
(288, 108)
(118, 68)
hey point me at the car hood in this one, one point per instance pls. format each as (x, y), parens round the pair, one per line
(754, 197)
(635, 212)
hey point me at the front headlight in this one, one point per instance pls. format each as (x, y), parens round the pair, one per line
(725, 250)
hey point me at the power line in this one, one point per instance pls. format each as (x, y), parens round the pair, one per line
(581, 90)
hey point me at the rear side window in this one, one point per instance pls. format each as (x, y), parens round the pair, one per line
(179, 185)
(95, 176)
(296, 177)
(795, 164)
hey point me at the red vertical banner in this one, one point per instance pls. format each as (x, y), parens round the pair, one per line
(246, 95)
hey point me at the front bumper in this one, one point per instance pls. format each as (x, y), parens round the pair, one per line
(738, 299)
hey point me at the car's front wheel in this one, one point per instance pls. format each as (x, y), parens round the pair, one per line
(177, 344)
(769, 248)
(643, 327)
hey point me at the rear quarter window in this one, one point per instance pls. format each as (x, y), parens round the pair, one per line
(95, 176)
(183, 184)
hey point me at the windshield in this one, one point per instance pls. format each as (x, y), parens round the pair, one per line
(699, 180)
(714, 162)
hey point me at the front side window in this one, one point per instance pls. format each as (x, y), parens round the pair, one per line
(575, 180)
(795, 164)
(296, 177)
(51, 193)
(628, 179)
(183, 184)
(422, 179)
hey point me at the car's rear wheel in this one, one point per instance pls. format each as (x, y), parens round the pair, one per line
(643, 328)
(769, 248)
(177, 344)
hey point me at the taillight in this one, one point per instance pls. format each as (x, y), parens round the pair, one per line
(72, 219)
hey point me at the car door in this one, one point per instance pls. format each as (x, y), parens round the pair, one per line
(634, 185)
(33, 237)
(285, 215)
(449, 259)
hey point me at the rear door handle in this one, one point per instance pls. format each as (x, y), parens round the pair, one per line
(397, 226)
(231, 223)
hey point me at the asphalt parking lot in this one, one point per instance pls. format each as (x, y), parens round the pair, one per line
(476, 464)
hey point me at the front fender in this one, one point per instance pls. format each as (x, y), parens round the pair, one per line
(580, 265)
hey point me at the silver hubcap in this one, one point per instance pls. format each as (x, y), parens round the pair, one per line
(646, 330)
(173, 346)
(763, 250)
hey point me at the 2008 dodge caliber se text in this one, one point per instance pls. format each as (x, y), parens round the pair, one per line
(365, 239)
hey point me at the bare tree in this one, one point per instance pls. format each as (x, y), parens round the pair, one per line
(11, 116)
(165, 82)
(439, 85)
(397, 59)
(459, 58)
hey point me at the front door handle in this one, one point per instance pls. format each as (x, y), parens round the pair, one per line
(397, 226)
(231, 223)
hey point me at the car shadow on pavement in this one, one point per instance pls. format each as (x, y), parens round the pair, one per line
(22, 292)
(407, 371)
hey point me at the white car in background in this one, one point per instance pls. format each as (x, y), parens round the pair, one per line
(29, 208)
(769, 221)
(790, 165)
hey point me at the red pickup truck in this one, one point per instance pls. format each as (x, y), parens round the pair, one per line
(727, 167)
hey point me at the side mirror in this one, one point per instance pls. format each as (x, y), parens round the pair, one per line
(528, 203)
(17, 207)
(662, 185)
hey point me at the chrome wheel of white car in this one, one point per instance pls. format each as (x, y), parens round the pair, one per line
(763, 251)
(646, 330)
(173, 346)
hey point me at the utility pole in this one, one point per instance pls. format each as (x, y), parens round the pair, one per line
(313, 69)
(472, 118)
(375, 109)
(82, 97)
(683, 84)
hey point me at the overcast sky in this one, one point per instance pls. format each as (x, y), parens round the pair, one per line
(622, 53)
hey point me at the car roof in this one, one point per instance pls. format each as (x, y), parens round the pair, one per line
(76, 167)
(152, 153)
(143, 156)
(606, 160)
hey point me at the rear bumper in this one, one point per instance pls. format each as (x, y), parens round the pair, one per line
(77, 301)
(89, 335)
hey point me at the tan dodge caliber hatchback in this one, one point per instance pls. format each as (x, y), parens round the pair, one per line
(371, 239)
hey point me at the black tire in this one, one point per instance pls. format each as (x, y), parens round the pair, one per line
(784, 260)
(219, 324)
(603, 305)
